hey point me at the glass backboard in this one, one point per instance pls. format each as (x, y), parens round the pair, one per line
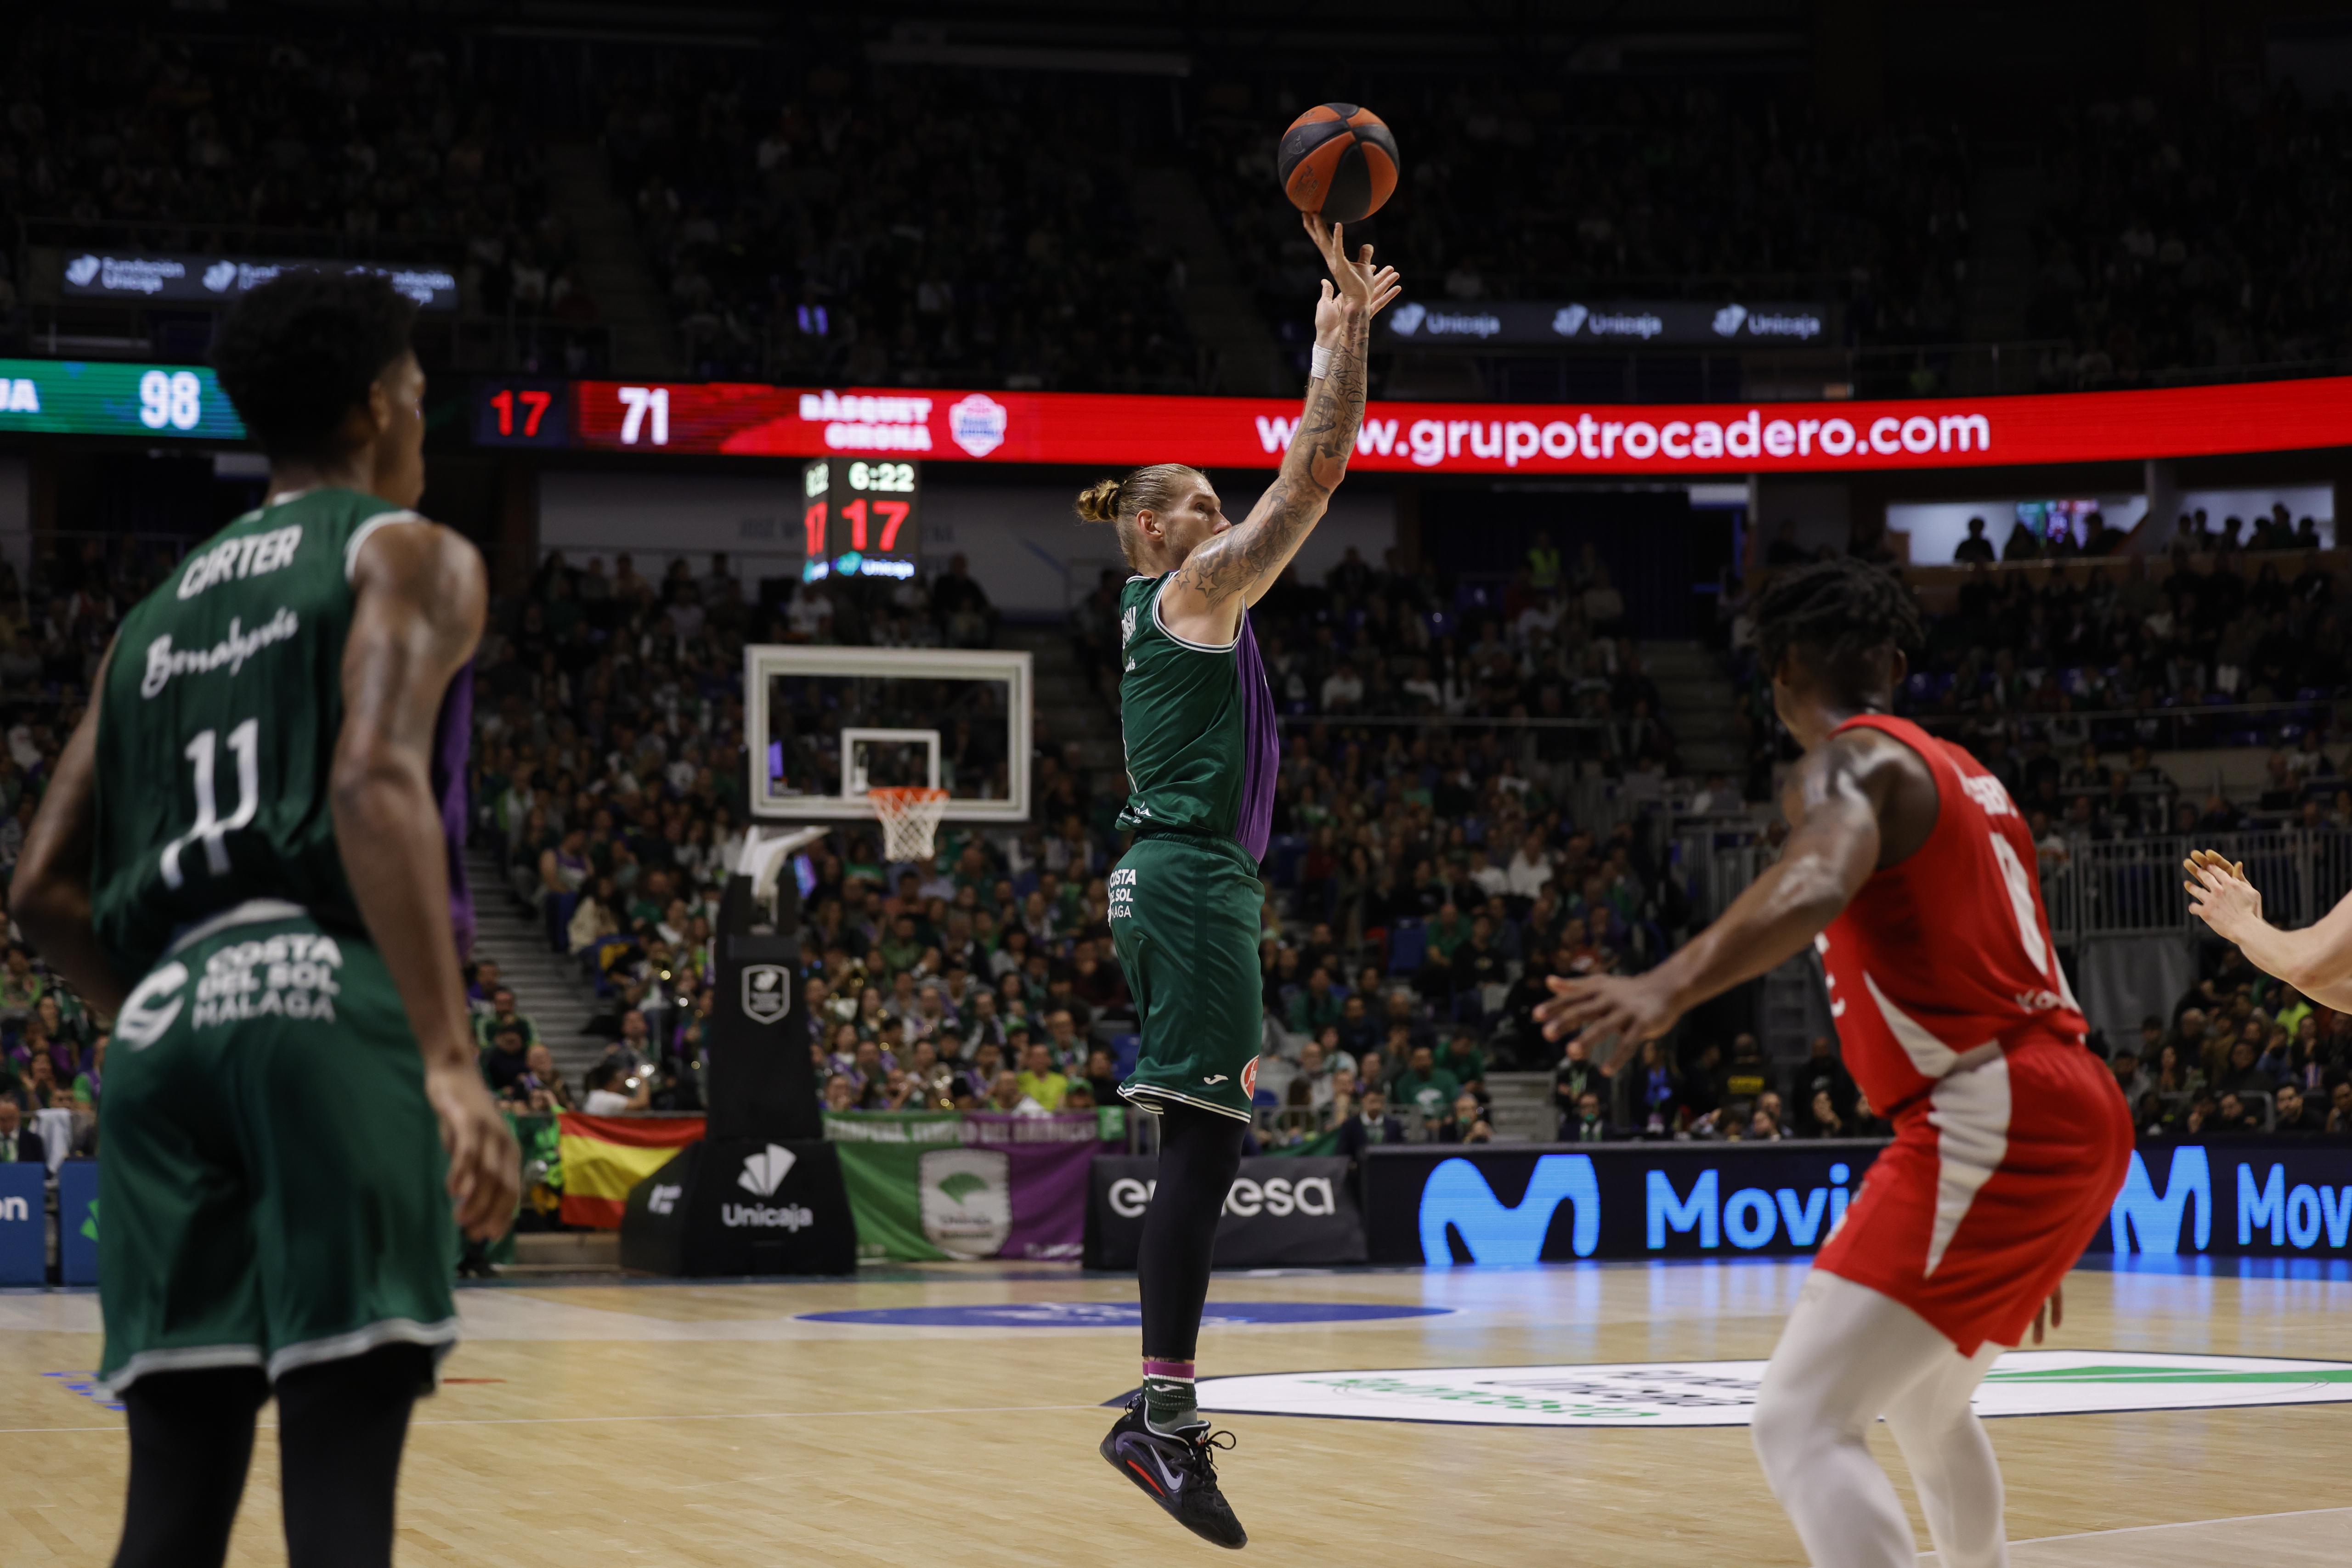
(825, 724)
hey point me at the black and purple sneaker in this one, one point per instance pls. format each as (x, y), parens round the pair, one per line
(1177, 1473)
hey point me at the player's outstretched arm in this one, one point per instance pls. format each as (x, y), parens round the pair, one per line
(1244, 561)
(420, 594)
(1834, 798)
(2315, 960)
(50, 895)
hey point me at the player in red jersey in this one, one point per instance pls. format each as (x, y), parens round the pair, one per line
(1909, 868)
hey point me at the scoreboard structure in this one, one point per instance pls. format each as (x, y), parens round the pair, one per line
(859, 517)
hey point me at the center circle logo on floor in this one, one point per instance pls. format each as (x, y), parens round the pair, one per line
(1723, 1392)
(1116, 1314)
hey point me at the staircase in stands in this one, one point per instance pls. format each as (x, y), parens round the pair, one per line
(546, 985)
(1702, 706)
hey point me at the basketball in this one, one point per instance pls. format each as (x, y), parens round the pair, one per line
(1337, 159)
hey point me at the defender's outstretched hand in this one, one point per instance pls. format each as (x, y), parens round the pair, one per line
(1627, 1009)
(1356, 290)
(2220, 896)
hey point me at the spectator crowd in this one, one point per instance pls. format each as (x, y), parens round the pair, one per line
(2188, 234)
(1642, 190)
(2066, 681)
(270, 143)
(1424, 880)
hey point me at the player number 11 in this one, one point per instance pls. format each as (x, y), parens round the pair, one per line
(210, 829)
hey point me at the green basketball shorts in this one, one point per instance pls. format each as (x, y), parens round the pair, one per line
(271, 1180)
(1184, 912)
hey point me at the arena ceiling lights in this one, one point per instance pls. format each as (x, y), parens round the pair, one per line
(1660, 440)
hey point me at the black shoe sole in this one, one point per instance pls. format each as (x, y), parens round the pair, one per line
(1150, 1488)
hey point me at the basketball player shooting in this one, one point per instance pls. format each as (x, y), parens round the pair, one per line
(245, 857)
(1185, 898)
(1910, 869)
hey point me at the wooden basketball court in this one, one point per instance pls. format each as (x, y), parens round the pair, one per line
(715, 1426)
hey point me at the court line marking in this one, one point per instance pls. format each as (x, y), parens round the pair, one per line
(2175, 1524)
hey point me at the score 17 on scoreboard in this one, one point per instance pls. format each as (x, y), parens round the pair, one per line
(860, 517)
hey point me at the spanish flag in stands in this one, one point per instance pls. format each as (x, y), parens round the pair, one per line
(605, 1156)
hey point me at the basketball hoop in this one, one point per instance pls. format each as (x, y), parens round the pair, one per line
(909, 813)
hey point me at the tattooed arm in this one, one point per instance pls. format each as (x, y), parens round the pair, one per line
(1203, 598)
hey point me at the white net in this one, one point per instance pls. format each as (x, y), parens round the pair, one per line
(909, 815)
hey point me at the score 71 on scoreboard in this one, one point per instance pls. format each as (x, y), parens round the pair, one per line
(858, 517)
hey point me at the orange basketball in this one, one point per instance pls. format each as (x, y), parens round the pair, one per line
(1339, 160)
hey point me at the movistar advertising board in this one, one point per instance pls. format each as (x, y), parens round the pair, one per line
(1501, 1203)
(2262, 1197)
(2280, 1198)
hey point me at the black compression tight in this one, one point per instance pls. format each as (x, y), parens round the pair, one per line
(1200, 1153)
(341, 1426)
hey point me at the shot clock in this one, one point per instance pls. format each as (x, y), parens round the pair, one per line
(858, 517)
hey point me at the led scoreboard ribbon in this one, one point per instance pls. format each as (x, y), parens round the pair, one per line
(77, 397)
(1665, 441)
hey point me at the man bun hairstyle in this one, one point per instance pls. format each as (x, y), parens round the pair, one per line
(1118, 501)
(1838, 608)
(1099, 502)
(299, 353)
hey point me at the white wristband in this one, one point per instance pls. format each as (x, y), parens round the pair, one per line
(1319, 364)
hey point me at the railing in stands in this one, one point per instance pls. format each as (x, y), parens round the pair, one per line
(2188, 726)
(2117, 887)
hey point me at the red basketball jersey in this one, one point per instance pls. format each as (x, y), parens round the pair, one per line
(1949, 952)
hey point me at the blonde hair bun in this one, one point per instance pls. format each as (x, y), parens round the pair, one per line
(1099, 502)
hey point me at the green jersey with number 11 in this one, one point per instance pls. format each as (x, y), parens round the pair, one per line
(217, 727)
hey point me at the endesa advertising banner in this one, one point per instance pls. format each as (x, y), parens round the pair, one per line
(2286, 1197)
(1282, 1210)
(1662, 441)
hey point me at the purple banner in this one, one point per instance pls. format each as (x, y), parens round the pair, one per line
(1049, 1199)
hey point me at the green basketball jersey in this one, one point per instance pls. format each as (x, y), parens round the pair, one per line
(1202, 751)
(217, 726)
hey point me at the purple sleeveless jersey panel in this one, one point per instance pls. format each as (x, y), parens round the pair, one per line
(1262, 746)
(453, 739)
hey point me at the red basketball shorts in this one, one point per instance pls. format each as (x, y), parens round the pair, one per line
(1997, 1180)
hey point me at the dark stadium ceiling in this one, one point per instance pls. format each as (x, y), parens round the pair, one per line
(2006, 49)
(1597, 34)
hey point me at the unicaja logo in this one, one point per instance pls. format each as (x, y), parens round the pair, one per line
(219, 275)
(1406, 320)
(1728, 319)
(762, 1175)
(1567, 318)
(764, 1172)
(80, 270)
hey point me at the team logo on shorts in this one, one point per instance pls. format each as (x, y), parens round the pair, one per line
(148, 1011)
(767, 992)
(1249, 1080)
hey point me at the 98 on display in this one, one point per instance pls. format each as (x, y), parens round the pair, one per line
(859, 517)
